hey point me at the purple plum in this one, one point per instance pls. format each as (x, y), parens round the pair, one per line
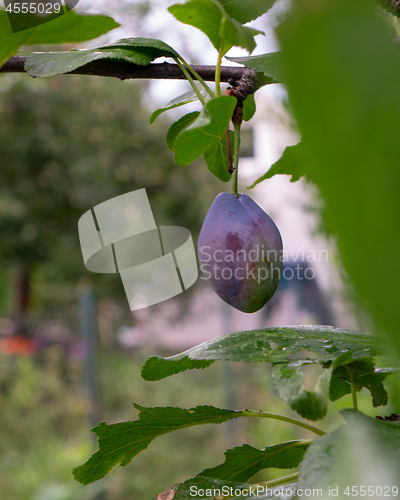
(240, 252)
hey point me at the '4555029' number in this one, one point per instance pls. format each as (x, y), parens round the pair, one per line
(372, 491)
(33, 8)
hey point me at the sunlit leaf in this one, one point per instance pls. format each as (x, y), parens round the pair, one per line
(293, 162)
(210, 17)
(274, 344)
(248, 10)
(181, 100)
(176, 128)
(216, 158)
(141, 51)
(68, 28)
(209, 128)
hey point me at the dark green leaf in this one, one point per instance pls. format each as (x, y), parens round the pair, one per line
(159, 368)
(293, 162)
(210, 17)
(365, 375)
(140, 51)
(176, 128)
(210, 127)
(202, 488)
(216, 158)
(176, 103)
(243, 462)
(248, 10)
(272, 344)
(364, 451)
(289, 382)
(119, 443)
(350, 116)
(68, 28)
(268, 67)
(249, 108)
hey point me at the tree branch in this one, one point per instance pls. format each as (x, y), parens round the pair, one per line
(124, 70)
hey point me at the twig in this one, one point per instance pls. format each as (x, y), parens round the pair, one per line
(124, 70)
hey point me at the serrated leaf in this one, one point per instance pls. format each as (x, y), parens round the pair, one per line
(364, 451)
(141, 51)
(245, 12)
(176, 128)
(216, 158)
(267, 66)
(119, 443)
(237, 35)
(181, 100)
(68, 28)
(289, 382)
(249, 108)
(159, 368)
(203, 487)
(274, 345)
(210, 17)
(365, 375)
(243, 462)
(293, 162)
(208, 128)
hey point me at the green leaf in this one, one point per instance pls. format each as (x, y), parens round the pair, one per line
(216, 158)
(249, 108)
(209, 128)
(158, 368)
(119, 443)
(293, 162)
(201, 488)
(236, 35)
(289, 382)
(177, 102)
(246, 11)
(210, 17)
(68, 28)
(176, 128)
(141, 51)
(268, 67)
(350, 116)
(272, 344)
(365, 375)
(243, 462)
(364, 451)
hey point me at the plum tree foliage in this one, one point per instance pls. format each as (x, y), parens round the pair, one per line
(341, 67)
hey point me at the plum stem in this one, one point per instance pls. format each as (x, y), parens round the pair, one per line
(236, 151)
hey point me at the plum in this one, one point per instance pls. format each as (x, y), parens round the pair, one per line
(240, 252)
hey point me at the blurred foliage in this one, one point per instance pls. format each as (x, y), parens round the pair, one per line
(344, 92)
(44, 425)
(67, 144)
(44, 428)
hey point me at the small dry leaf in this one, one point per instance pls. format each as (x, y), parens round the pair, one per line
(167, 494)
